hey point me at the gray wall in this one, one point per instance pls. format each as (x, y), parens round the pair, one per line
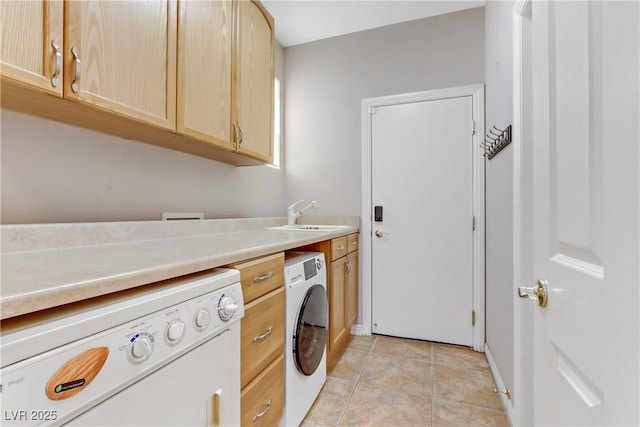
(53, 172)
(499, 196)
(327, 80)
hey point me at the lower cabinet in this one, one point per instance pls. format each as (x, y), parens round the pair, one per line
(337, 320)
(351, 291)
(262, 334)
(262, 340)
(262, 400)
(262, 356)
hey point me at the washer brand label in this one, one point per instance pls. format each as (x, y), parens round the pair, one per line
(76, 373)
(70, 385)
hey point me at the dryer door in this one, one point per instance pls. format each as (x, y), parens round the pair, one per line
(310, 334)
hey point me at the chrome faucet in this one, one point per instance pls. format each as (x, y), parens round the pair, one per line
(293, 213)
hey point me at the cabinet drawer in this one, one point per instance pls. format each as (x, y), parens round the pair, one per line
(352, 242)
(262, 334)
(264, 396)
(261, 275)
(338, 247)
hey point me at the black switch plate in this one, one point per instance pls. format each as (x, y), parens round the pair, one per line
(377, 213)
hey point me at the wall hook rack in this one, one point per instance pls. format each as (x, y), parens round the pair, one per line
(494, 142)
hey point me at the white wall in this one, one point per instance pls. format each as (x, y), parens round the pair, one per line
(53, 172)
(499, 197)
(327, 80)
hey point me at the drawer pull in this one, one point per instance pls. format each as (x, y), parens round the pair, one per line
(267, 276)
(265, 335)
(354, 242)
(340, 248)
(263, 413)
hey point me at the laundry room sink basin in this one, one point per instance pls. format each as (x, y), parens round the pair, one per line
(308, 227)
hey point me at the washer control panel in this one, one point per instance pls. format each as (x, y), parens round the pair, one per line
(183, 325)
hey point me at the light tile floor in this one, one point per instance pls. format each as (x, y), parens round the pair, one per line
(386, 381)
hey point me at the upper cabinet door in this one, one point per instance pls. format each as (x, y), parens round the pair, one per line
(121, 56)
(30, 30)
(254, 81)
(204, 70)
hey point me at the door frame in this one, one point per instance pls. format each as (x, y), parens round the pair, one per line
(368, 105)
(522, 223)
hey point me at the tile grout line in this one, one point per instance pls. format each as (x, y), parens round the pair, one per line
(457, 402)
(355, 384)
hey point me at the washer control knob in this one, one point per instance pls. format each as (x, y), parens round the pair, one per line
(202, 319)
(141, 347)
(226, 307)
(175, 331)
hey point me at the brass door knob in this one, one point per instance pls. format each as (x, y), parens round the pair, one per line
(380, 233)
(538, 294)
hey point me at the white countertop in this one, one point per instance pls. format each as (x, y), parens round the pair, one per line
(44, 266)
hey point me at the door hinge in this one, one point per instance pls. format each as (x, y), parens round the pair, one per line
(473, 318)
(473, 223)
(372, 110)
(473, 127)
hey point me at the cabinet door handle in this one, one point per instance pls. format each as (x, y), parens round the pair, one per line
(265, 335)
(264, 412)
(75, 86)
(348, 267)
(267, 276)
(235, 135)
(213, 414)
(240, 129)
(57, 67)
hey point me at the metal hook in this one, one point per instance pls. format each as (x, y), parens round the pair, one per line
(499, 135)
(499, 130)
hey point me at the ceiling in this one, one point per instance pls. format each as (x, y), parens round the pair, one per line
(302, 21)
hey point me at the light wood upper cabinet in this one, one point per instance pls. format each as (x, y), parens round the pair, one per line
(121, 56)
(195, 76)
(28, 32)
(253, 81)
(225, 75)
(205, 36)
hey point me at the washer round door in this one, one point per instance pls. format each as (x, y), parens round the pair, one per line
(310, 334)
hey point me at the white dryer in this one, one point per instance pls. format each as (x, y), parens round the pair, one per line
(307, 321)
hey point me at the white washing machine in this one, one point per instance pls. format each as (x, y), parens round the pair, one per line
(166, 354)
(307, 322)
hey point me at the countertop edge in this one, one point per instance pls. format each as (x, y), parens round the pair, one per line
(65, 293)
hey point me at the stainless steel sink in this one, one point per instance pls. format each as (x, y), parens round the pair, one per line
(308, 227)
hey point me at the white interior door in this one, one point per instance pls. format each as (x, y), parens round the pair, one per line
(586, 214)
(422, 176)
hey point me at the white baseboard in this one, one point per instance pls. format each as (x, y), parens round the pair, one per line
(506, 402)
(357, 329)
